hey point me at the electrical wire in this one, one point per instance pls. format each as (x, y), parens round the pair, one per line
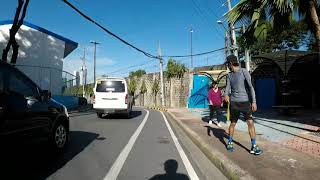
(127, 43)
(198, 54)
(200, 13)
(108, 31)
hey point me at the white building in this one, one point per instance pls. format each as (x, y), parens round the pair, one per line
(83, 75)
(76, 81)
(40, 54)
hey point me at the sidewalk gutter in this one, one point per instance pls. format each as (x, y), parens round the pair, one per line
(224, 164)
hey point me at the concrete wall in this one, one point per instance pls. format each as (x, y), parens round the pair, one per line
(37, 51)
(176, 91)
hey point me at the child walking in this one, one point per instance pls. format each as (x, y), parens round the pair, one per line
(215, 101)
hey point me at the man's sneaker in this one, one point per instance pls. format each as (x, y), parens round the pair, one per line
(255, 150)
(230, 147)
(210, 122)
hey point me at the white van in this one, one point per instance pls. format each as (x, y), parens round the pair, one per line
(111, 95)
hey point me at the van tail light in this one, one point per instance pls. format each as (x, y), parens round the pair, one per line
(94, 99)
(126, 100)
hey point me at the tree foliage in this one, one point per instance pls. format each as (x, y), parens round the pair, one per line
(137, 73)
(292, 37)
(175, 69)
(132, 86)
(262, 15)
(155, 87)
(143, 88)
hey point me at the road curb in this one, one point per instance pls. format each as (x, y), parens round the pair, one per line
(224, 164)
(158, 109)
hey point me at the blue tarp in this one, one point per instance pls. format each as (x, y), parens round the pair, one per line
(71, 102)
(199, 92)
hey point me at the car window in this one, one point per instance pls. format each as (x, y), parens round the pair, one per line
(110, 86)
(19, 85)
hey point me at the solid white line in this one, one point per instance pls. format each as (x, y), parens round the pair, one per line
(118, 164)
(191, 172)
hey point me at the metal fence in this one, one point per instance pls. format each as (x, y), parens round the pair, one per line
(49, 78)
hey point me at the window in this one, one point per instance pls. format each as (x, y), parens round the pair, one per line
(110, 86)
(19, 85)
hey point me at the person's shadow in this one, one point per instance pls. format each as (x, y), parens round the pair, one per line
(221, 134)
(171, 167)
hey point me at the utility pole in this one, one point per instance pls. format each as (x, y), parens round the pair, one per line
(94, 60)
(246, 52)
(84, 74)
(191, 31)
(227, 49)
(233, 33)
(161, 75)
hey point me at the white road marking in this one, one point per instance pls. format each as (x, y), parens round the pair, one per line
(118, 164)
(191, 172)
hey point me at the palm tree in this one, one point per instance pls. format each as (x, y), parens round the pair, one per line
(180, 71)
(171, 73)
(133, 88)
(143, 90)
(257, 14)
(155, 90)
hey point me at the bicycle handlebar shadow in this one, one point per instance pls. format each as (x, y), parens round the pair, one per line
(171, 167)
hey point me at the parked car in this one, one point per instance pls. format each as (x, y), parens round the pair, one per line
(111, 95)
(29, 112)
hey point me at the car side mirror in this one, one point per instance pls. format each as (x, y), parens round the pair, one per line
(45, 95)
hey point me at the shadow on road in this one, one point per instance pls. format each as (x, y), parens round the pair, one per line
(221, 135)
(171, 167)
(134, 114)
(82, 113)
(35, 160)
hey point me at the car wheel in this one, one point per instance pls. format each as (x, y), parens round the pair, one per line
(99, 115)
(59, 136)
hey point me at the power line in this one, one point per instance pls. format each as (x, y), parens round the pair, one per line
(200, 13)
(133, 66)
(207, 10)
(109, 32)
(127, 43)
(199, 54)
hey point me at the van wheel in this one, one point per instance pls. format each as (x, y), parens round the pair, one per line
(99, 115)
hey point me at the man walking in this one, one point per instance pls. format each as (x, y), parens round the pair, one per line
(241, 96)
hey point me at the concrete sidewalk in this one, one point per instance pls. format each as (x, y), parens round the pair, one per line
(291, 144)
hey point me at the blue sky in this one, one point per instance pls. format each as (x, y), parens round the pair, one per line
(140, 22)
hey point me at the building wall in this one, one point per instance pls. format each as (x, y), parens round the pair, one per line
(40, 56)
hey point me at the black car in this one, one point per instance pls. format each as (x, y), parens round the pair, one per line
(26, 111)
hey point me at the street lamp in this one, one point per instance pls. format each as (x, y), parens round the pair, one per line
(221, 23)
(233, 37)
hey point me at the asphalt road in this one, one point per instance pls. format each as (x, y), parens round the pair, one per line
(105, 149)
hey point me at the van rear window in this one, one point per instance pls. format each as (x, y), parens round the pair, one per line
(110, 86)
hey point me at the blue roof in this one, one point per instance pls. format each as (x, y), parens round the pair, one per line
(42, 30)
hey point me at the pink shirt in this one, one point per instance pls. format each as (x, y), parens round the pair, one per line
(215, 97)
